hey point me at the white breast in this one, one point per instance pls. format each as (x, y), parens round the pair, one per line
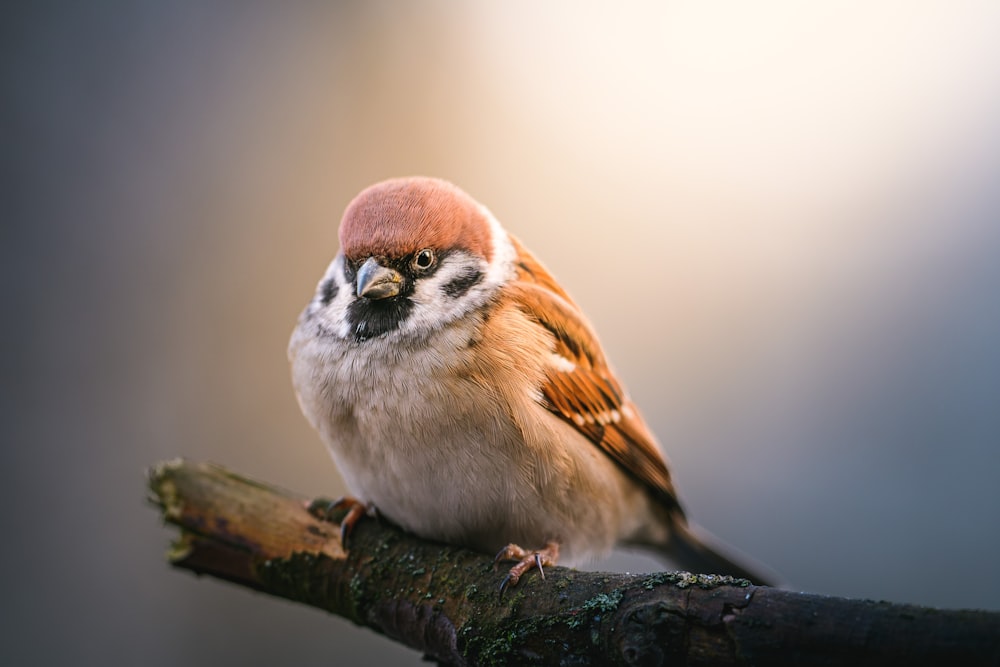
(409, 437)
(448, 454)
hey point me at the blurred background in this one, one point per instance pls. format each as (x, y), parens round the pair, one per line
(809, 190)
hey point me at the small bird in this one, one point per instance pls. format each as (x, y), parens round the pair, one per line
(463, 394)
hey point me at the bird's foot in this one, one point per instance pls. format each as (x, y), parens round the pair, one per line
(351, 510)
(525, 560)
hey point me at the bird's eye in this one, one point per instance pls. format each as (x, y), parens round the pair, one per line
(424, 259)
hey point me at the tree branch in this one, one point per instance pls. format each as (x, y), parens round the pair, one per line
(443, 600)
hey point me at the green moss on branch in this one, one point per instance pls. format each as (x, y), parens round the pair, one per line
(442, 600)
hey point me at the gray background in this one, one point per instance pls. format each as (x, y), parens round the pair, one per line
(808, 196)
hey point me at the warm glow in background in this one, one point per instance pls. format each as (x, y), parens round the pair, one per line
(783, 219)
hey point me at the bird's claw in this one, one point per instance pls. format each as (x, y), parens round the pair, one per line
(326, 510)
(509, 580)
(525, 560)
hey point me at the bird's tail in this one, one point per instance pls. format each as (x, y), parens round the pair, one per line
(695, 549)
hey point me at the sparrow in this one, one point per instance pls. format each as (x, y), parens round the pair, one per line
(464, 395)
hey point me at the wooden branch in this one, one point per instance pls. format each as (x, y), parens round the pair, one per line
(443, 600)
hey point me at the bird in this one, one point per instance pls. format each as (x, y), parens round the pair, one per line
(464, 396)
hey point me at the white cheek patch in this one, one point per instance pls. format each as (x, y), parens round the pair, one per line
(338, 307)
(333, 315)
(432, 306)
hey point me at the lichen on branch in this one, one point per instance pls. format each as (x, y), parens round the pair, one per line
(442, 600)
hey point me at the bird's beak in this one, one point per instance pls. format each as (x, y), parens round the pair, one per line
(378, 282)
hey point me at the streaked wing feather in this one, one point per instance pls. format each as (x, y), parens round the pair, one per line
(587, 395)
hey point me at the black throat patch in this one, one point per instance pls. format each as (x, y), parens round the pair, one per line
(369, 318)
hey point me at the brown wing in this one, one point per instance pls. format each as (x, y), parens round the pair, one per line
(580, 386)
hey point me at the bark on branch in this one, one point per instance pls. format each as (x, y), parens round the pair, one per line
(443, 600)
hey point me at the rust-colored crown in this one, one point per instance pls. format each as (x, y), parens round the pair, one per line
(400, 216)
